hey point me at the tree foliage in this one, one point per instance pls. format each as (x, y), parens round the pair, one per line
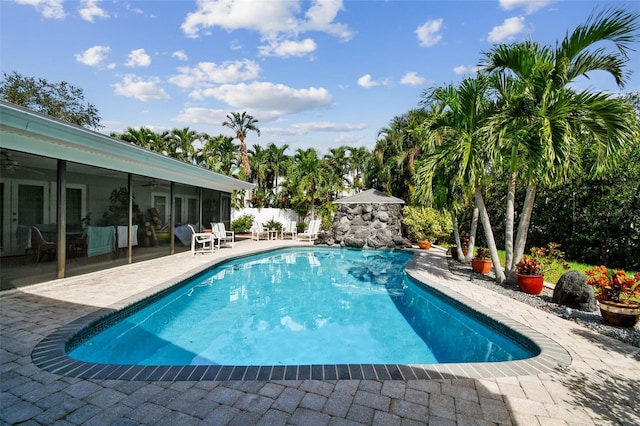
(426, 223)
(241, 124)
(597, 220)
(59, 100)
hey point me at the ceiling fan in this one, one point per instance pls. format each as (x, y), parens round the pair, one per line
(11, 166)
(154, 184)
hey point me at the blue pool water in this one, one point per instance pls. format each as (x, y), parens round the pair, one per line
(296, 307)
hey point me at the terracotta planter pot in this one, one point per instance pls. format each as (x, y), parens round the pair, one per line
(531, 284)
(424, 244)
(454, 252)
(481, 266)
(620, 314)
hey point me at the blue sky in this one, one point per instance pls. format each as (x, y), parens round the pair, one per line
(319, 74)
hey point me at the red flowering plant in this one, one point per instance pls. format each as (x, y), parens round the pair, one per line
(464, 243)
(614, 286)
(541, 260)
(483, 253)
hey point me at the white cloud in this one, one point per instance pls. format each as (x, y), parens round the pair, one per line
(128, 6)
(367, 82)
(429, 32)
(314, 126)
(268, 100)
(135, 87)
(321, 15)
(270, 18)
(412, 79)
(93, 56)
(48, 8)
(507, 31)
(138, 58)
(288, 48)
(180, 55)
(90, 9)
(206, 74)
(327, 126)
(197, 115)
(349, 140)
(529, 6)
(465, 69)
(236, 45)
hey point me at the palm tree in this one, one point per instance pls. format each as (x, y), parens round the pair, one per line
(459, 131)
(179, 144)
(143, 137)
(277, 164)
(307, 179)
(218, 154)
(358, 160)
(396, 151)
(543, 119)
(258, 163)
(241, 124)
(339, 163)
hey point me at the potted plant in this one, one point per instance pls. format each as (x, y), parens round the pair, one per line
(481, 263)
(464, 246)
(531, 270)
(118, 213)
(618, 295)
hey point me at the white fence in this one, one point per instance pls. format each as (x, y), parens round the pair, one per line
(265, 215)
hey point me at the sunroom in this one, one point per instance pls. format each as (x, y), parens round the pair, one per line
(74, 200)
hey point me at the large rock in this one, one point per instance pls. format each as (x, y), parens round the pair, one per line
(367, 226)
(572, 291)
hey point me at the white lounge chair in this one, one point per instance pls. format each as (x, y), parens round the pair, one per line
(257, 230)
(224, 236)
(290, 228)
(313, 260)
(202, 242)
(311, 233)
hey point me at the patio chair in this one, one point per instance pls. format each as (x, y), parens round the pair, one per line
(41, 246)
(290, 228)
(77, 244)
(223, 235)
(311, 232)
(257, 230)
(202, 242)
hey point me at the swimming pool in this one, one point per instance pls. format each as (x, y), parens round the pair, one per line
(301, 306)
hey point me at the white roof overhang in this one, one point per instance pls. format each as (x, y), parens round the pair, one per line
(34, 133)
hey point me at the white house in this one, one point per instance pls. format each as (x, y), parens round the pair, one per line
(61, 178)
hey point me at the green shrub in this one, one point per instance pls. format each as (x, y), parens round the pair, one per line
(426, 223)
(242, 224)
(273, 224)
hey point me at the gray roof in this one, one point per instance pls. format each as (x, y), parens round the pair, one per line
(33, 133)
(370, 196)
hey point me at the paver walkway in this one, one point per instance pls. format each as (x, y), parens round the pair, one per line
(601, 386)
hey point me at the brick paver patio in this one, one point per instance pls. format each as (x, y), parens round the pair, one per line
(600, 386)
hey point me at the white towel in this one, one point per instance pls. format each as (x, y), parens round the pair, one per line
(123, 234)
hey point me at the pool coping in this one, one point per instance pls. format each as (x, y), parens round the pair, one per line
(50, 353)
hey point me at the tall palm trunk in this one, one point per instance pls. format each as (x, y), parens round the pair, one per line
(244, 158)
(456, 234)
(523, 230)
(472, 234)
(488, 233)
(509, 223)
